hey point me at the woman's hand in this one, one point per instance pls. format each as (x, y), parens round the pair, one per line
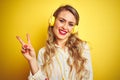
(29, 53)
(27, 49)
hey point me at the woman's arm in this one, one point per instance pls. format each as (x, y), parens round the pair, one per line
(39, 75)
(29, 53)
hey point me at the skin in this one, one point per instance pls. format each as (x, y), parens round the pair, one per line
(63, 26)
(29, 53)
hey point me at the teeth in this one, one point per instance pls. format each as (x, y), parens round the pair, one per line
(62, 32)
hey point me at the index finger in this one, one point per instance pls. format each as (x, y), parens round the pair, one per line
(20, 40)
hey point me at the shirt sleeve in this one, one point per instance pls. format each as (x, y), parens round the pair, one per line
(39, 75)
(86, 54)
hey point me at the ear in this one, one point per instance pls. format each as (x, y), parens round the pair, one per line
(52, 21)
(75, 29)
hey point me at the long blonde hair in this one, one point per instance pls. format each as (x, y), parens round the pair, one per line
(74, 44)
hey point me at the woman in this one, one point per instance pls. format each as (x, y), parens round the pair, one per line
(65, 56)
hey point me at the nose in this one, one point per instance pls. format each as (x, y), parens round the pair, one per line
(65, 26)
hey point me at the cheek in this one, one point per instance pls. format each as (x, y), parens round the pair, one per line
(70, 29)
(55, 28)
(58, 24)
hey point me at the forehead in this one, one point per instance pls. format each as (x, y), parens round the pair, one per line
(67, 15)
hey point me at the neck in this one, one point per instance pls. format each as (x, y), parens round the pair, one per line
(61, 43)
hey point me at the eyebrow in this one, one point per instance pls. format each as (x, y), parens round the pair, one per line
(65, 20)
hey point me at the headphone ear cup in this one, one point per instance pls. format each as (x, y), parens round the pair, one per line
(52, 21)
(75, 29)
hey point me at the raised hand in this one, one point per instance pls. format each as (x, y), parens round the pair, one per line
(29, 53)
(27, 49)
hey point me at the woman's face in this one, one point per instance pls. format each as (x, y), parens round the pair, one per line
(64, 24)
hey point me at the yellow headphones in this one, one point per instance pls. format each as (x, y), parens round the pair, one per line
(52, 21)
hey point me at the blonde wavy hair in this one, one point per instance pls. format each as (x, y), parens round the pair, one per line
(75, 48)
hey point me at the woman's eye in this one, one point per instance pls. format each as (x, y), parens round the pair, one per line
(71, 25)
(61, 20)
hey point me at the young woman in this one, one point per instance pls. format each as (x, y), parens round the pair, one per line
(65, 56)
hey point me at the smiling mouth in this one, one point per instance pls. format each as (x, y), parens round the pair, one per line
(62, 32)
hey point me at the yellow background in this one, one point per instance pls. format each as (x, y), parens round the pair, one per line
(99, 25)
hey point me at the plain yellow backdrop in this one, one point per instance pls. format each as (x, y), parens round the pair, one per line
(99, 25)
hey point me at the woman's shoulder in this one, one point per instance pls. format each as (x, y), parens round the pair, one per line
(41, 51)
(41, 55)
(86, 50)
(85, 45)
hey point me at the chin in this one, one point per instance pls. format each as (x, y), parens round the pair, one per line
(63, 37)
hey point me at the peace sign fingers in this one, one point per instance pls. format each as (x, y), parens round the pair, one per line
(28, 39)
(27, 49)
(20, 40)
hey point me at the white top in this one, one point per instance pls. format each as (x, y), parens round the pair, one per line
(60, 66)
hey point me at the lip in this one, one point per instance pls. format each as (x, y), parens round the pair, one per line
(62, 32)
